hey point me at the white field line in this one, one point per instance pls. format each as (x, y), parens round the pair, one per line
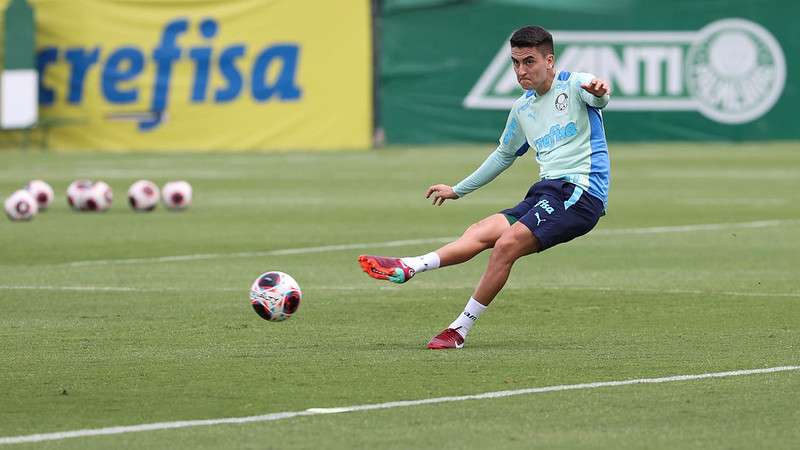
(19, 287)
(698, 227)
(413, 286)
(418, 286)
(409, 242)
(678, 291)
(376, 406)
(654, 291)
(286, 251)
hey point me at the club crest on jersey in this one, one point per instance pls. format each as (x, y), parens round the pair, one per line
(561, 101)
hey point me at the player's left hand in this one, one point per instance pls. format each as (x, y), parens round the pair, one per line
(597, 87)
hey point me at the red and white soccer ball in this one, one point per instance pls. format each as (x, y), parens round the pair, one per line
(76, 193)
(42, 192)
(177, 195)
(21, 206)
(98, 198)
(143, 195)
(275, 296)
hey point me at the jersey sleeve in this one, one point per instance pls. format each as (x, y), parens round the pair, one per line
(512, 144)
(589, 99)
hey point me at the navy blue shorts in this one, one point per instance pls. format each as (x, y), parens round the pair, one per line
(557, 211)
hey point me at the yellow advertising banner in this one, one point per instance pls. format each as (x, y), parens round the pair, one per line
(205, 75)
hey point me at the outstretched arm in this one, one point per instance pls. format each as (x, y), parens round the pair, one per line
(512, 144)
(494, 165)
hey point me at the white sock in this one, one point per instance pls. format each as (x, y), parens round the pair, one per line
(467, 319)
(422, 263)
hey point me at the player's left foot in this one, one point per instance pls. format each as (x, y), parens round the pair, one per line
(384, 268)
(449, 338)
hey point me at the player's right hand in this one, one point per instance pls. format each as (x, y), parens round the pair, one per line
(440, 193)
(597, 87)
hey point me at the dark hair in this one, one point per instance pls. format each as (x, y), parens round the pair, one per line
(532, 36)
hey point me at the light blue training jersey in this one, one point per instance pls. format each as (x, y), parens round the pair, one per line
(565, 129)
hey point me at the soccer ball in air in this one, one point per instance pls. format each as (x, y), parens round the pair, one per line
(42, 192)
(98, 197)
(275, 296)
(76, 193)
(177, 195)
(21, 206)
(143, 195)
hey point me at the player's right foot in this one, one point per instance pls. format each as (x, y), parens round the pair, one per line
(449, 338)
(385, 268)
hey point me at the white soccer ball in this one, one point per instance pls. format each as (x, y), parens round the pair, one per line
(143, 195)
(42, 192)
(275, 296)
(177, 195)
(98, 197)
(21, 206)
(76, 193)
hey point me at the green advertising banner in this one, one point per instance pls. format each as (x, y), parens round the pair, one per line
(19, 81)
(679, 70)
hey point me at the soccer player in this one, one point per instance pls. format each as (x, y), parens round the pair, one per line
(559, 117)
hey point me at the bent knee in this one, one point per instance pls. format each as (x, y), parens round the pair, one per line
(473, 229)
(506, 244)
(516, 243)
(484, 232)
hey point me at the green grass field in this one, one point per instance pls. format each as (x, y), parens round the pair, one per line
(99, 330)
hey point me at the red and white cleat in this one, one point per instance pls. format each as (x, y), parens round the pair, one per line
(385, 268)
(449, 338)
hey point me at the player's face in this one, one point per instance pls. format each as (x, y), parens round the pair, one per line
(531, 67)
